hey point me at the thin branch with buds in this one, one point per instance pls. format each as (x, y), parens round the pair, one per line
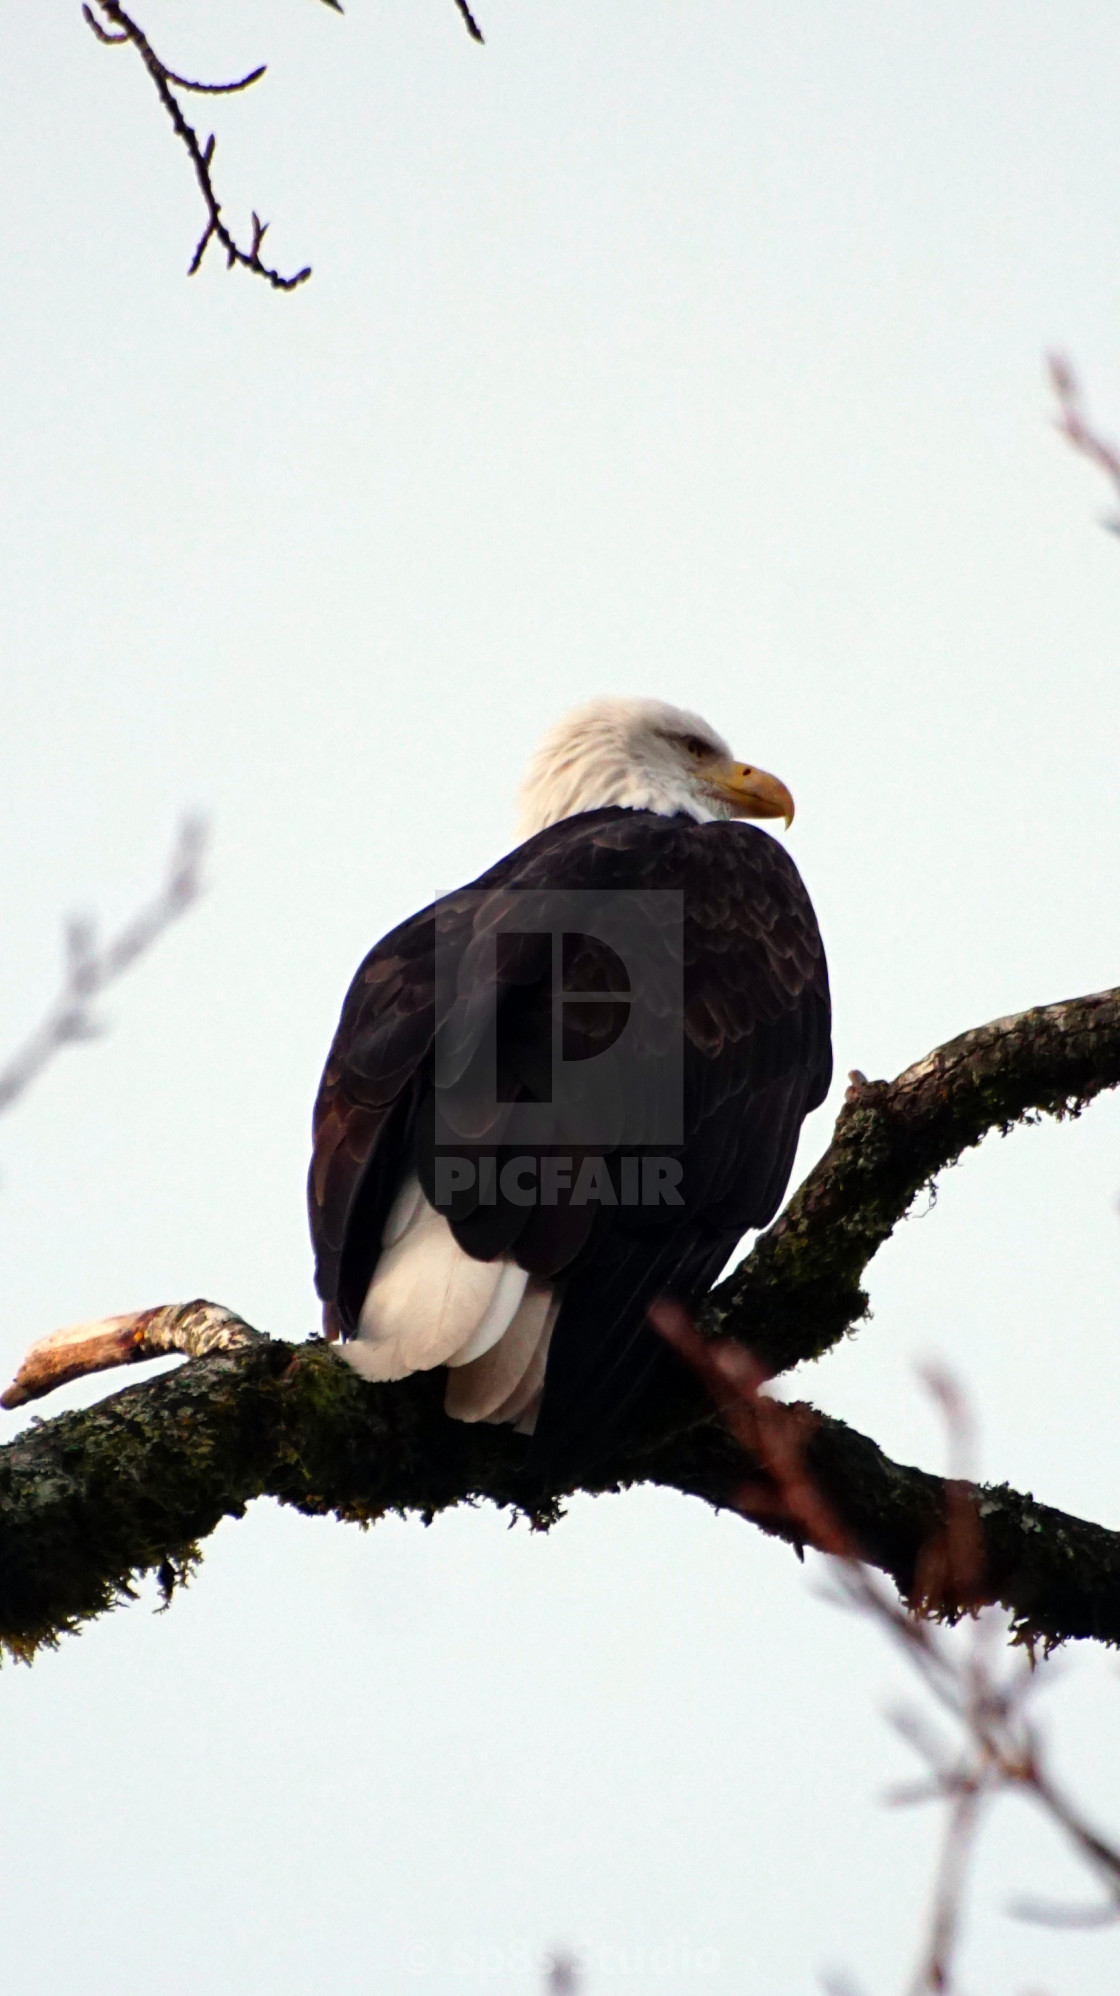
(997, 1750)
(90, 967)
(122, 28)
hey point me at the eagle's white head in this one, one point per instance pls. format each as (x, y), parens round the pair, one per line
(643, 756)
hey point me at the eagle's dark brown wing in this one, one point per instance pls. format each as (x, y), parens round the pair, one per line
(733, 966)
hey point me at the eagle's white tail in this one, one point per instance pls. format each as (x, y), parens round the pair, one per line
(430, 1304)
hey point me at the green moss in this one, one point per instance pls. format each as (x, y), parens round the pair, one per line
(92, 1501)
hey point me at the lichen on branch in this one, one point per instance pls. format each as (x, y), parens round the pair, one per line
(800, 1289)
(92, 1500)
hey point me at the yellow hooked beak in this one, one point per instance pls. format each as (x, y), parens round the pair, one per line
(751, 793)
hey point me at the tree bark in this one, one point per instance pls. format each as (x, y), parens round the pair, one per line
(799, 1290)
(92, 1500)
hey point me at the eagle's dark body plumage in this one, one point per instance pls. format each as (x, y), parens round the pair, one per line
(756, 1060)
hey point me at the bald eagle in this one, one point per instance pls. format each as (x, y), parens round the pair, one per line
(571, 1087)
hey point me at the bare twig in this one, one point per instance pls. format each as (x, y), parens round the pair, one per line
(1074, 424)
(210, 89)
(123, 28)
(473, 29)
(997, 1750)
(103, 34)
(89, 969)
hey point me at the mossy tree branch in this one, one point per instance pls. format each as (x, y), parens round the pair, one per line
(93, 1499)
(799, 1290)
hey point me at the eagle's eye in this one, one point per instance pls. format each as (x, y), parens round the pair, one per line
(696, 747)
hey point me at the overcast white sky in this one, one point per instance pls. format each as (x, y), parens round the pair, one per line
(675, 350)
